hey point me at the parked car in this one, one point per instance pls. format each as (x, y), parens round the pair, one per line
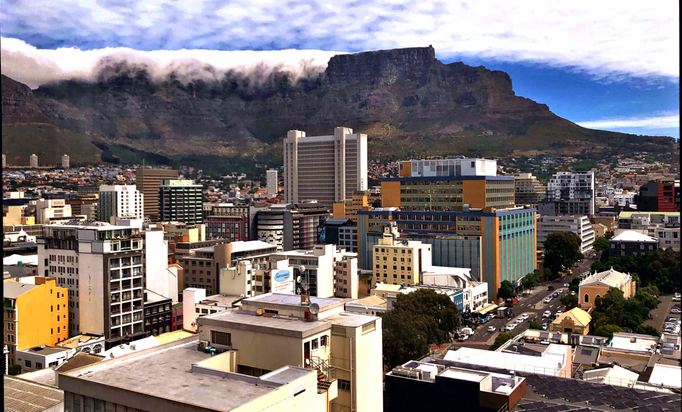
(524, 317)
(566, 285)
(558, 313)
(510, 327)
(492, 329)
(547, 314)
(555, 294)
(550, 288)
(675, 310)
(545, 326)
(547, 299)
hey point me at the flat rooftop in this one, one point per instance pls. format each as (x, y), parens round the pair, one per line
(84, 338)
(291, 300)
(220, 300)
(45, 350)
(165, 372)
(281, 325)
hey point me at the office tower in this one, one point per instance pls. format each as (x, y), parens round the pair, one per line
(65, 162)
(467, 215)
(324, 168)
(659, 196)
(272, 183)
(148, 181)
(34, 314)
(529, 191)
(569, 193)
(580, 225)
(180, 201)
(292, 226)
(33, 161)
(120, 201)
(103, 267)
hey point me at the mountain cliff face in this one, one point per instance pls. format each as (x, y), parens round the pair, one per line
(407, 101)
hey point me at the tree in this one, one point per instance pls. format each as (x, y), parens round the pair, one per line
(14, 370)
(648, 330)
(574, 286)
(601, 244)
(609, 234)
(506, 290)
(548, 273)
(646, 299)
(417, 320)
(607, 330)
(500, 340)
(535, 325)
(531, 280)
(660, 268)
(569, 301)
(562, 249)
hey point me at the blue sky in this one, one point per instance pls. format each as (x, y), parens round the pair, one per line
(606, 64)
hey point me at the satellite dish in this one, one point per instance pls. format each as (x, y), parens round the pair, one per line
(314, 308)
(301, 268)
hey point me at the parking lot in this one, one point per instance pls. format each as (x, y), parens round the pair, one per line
(662, 312)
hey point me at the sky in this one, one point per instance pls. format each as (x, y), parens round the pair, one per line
(610, 65)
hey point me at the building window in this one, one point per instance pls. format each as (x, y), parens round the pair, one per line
(27, 363)
(323, 340)
(344, 385)
(221, 338)
(314, 344)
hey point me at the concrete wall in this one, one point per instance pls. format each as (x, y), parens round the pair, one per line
(159, 279)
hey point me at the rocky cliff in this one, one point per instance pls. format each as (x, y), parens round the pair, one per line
(407, 101)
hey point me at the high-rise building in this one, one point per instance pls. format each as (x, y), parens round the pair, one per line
(529, 191)
(467, 215)
(292, 226)
(49, 209)
(272, 183)
(33, 160)
(34, 314)
(65, 162)
(104, 267)
(180, 201)
(324, 168)
(120, 201)
(580, 225)
(148, 181)
(569, 193)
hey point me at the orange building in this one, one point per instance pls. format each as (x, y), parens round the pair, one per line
(34, 314)
(599, 284)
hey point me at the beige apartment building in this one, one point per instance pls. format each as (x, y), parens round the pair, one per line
(273, 330)
(193, 233)
(399, 262)
(325, 168)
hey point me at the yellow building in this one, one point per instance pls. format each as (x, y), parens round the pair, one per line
(598, 284)
(396, 262)
(34, 314)
(348, 209)
(196, 233)
(575, 320)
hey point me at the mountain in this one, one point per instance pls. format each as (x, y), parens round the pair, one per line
(408, 102)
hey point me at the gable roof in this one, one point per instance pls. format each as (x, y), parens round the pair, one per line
(26, 396)
(12, 289)
(578, 315)
(609, 277)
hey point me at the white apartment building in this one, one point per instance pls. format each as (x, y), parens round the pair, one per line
(448, 167)
(580, 225)
(103, 267)
(47, 209)
(320, 269)
(248, 278)
(33, 160)
(120, 201)
(325, 168)
(65, 161)
(624, 199)
(569, 193)
(195, 304)
(272, 183)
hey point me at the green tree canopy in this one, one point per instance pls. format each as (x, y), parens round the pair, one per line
(569, 301)
(574, 286)
(534, 325)
(531, 280)
(562, 248)
(607, 330)
(417, 320)
(601, 244)
(506, 290)
(500, 340)
(660, 268)
(648, 330)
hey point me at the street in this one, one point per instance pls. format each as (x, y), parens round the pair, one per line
(532, 305)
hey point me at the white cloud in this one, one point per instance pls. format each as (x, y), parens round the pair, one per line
(608, 40)
(666, 121)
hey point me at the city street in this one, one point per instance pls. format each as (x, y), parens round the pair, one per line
(532, 305)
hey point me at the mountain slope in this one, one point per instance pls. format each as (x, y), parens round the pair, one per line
(408, 102)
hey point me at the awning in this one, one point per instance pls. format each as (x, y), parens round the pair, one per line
(486, 309)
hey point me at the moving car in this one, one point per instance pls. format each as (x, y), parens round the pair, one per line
(548, 299)
(547, 314)
(560, 291)
(558, 313)
(566, 285)
(492, 329)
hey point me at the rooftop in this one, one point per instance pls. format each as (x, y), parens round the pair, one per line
(24, 259)
(78, 339)
(373, 300)
(45, 350)
(12, 289)
(633, 342)
(550, 363)
(633, 236)
(153, 296)
(165, 372)
(221, 300)
(610, 277)
(667, 375)
(281, 325)
(26, 396)
(291, 300)
(580, 316)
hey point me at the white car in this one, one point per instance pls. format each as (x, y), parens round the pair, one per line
(675, 310)
(560, 291)
(492, 329)
(558, 313)
(545, 326)
(566, 285)
(547, 314)
(510, 327)
(547, 300)
(524, 317)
